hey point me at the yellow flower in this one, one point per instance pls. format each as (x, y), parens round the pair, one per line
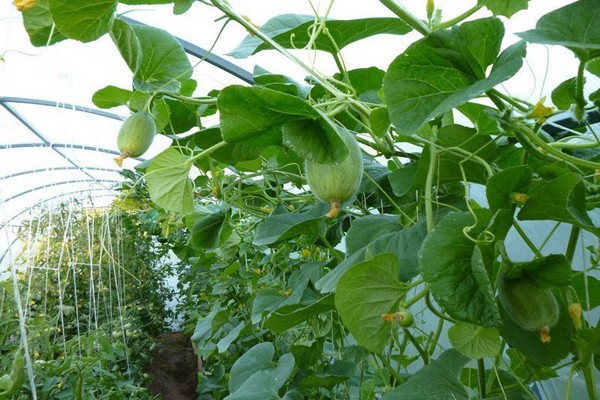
(575, 313)
(540, 111)
(23, 5)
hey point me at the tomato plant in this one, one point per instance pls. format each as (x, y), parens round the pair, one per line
(286, 302)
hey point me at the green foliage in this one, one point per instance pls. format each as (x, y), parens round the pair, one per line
(293, 31)
(284, 303)
(452, 264)
(571, 26)
(445, 69)
(83, 20)
(364, 294)
(504, 7)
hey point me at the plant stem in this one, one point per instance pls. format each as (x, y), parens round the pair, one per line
(588, 374)
(331, 248)
(458, 18)
(574, 146)
(435, 310)
(573, 238)
(420, 350)
(579, 98)
(436, 337)
(417, 297)
(529, 134)
(208, 151)
(406, 16)
(481, 377)
(526, 239)
(186, 99)
(391, 369)
(516, 104)
(429, 187)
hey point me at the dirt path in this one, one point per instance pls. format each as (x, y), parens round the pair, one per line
(174, 368)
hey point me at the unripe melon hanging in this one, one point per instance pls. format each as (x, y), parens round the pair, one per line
(532, 308)
(337, 183)
(135, 136)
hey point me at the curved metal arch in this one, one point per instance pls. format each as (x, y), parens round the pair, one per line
(50, 169)
(62, 146)
(32, 129)
(209, 57)
(62, 106)
(53, 184)
(39, 203)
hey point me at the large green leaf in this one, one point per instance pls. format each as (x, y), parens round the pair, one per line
(315, 139)
(258, 386)
(232, 335)
(366, 292)
(258, 358)
(83, 20)
(294, 31)
(458, 143)
(438, 380)
(457, 279)
(445, 69)
(39, 25)
(231, 153)
(565, 94)
(289, 316)
(504, 7)
(124, 37)
(502, 186)
(404, 243)
(547, 272)
(210, 231)
(560, 199)
(258, 361)
(332, 375)
(169, 184)
(480, 116)
(12, 382)
(111, 96)
(279, 227)
(156, 58)
(267, 299)
(364, 229)
(526, 369)
(573, 26)
(532, 347)
(474, 341)
(257, 113)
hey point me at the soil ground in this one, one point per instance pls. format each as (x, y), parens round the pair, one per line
(174, 368)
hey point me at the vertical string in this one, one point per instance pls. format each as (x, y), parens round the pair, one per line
(59, 277)
(17, 297)
(73, 267)
(92, 310)
(115, 268)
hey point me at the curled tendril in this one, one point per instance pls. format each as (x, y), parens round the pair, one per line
(487, 237)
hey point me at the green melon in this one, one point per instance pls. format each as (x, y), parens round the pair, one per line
(531, 307)
(136, 135)
(337, 183)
